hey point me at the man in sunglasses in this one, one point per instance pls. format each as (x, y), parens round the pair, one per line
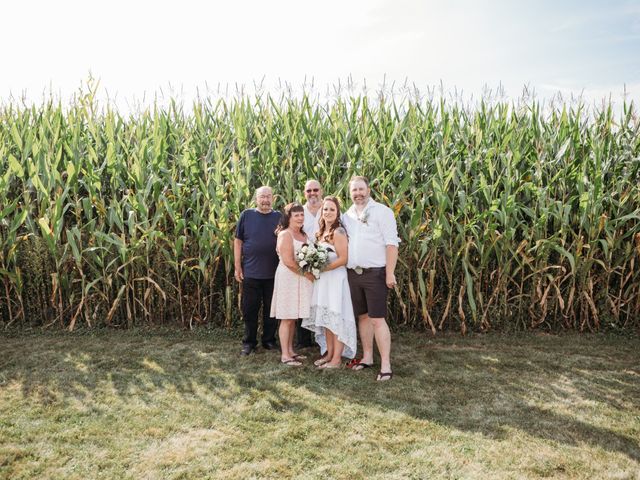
(312, 208)
(312, 211)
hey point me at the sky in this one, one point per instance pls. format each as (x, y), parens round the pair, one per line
(139, 49)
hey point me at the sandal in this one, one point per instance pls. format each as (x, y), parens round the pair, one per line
(321, 361)
(361, 366)
(292, 362)
(384, 377)
(353, 362)
(327, 366)
(298, 356)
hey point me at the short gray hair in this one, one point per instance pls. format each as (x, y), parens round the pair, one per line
(259, 190)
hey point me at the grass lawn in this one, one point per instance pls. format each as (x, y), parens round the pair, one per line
(158, 404)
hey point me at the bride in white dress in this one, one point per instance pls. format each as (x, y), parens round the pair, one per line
(332, 318)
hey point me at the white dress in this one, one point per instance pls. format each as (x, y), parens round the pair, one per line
(331, 308)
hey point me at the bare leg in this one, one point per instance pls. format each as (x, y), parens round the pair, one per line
(383, 341)
(292, 333)
(326, 357)
(284, 332)
(338, 346)
(366, 328)
(334, 349)
(329, 336)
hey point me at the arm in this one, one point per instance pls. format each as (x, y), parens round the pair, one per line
(391, 255)
(237, 259)
(341, 246)
(391, 240)
(237, 249)
(285, 247)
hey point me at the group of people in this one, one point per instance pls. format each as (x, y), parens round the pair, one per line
(363, 250)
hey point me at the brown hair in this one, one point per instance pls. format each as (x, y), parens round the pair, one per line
(286, 216)
(359, 178)
(336, 223)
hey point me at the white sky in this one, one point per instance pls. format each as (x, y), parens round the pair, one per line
(134, 47)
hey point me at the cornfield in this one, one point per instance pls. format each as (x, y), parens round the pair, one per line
(512, 216)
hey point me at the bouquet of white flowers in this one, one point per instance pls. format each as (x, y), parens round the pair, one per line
(313, 258)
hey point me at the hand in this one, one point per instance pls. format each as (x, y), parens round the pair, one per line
(238, 274)
(309, 276)
(391, 280)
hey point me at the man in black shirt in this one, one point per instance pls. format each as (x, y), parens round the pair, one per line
(256, 260)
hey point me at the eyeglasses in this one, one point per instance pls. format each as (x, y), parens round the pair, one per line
(309, 190)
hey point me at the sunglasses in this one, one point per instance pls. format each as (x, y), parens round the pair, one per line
(309, 190)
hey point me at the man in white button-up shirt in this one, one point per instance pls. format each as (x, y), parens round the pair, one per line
(373, 254)
(312, 211)
(313, 194)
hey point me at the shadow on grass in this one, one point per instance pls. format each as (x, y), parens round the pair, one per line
(486, 385)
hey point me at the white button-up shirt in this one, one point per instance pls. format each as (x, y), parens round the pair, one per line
(369, 235)
(311, 223)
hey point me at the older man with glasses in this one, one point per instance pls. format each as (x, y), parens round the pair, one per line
(312, 208)
(312, 211)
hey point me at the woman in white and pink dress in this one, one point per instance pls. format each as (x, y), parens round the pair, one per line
(291, 289)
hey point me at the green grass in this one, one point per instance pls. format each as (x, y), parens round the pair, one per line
(158, 404)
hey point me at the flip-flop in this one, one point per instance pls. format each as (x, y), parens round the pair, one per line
(361, 366)
(384, 376)
(326, 366)
(292, 362)
(321, 361)
(299, 356)
(353, 362)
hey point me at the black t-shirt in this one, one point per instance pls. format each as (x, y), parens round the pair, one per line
(257, 232)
